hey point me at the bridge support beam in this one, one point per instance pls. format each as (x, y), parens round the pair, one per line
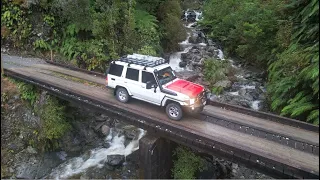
(155, 157)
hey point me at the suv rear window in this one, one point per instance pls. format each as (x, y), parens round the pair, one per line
(132, 74)
(115, 69)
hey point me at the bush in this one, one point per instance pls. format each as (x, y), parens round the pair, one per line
(28, 92)
(216, 70)
(172, 29)
(187, 164)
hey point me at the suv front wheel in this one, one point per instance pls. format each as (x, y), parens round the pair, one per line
(174, 111)
(122, 95)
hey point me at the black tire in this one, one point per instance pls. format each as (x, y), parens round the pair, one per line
(174, 111)
(122, 95)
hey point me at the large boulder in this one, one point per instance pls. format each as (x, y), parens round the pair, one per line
(191, 16)
(182, 64)
(105, 130)
(115, 160)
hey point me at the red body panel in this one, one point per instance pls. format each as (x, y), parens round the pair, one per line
(186, 87)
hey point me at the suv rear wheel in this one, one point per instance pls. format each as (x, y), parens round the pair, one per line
(122, 95)
(174, 111)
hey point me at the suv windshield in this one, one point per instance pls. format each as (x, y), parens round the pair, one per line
(165, 75)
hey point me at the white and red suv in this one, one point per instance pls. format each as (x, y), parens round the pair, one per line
(151, 79)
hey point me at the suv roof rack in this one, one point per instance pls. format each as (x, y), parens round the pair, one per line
(147, 61)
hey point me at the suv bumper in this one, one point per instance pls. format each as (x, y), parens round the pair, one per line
(195, 108)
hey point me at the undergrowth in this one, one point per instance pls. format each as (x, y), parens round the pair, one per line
(52, 113)
(186, 164)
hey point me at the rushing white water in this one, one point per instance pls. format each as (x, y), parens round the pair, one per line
(248, 87)
(234, 93)
(198, 15)
(220, 54)
(175, 58)
(97, 157)
(255, 105)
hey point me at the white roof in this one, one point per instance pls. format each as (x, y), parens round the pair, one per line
(144, 57)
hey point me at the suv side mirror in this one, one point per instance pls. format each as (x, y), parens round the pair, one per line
(150, 84)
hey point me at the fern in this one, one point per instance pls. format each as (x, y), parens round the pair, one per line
(314, 117)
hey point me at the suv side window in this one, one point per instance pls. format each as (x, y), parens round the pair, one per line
(115, 69)
(132, 74)
(147, 76)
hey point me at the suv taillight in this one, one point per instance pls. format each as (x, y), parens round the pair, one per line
(106, 80)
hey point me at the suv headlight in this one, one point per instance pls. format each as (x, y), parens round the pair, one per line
(192, 101)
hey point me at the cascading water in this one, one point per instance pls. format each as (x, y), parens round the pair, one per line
(97, 157)
(175, 58)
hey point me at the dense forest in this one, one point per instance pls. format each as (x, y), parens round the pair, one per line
(92, 32)
(280, 35)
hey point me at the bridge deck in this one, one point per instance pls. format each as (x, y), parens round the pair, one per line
(277, 128)
(262, 147)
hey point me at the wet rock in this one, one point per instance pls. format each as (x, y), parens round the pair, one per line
(49, 161)
(31, 150)
(182, 64)
(26, 171)
(130, 132)
(70, 142)
(191, 17)
(98, 126)
(185, 56)
(115, 160)
(106, 145)
(100, 119)
(105, 130)
(62, 155)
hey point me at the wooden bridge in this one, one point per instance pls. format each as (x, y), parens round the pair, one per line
(278, 146)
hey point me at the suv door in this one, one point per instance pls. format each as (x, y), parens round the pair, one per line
(114, 75)
(132, 82)
(151, 95)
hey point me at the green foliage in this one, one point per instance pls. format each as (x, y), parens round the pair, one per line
(14, 23)
(41, 44)
(79, 13)
(217, 90)
(54, 123)
(294, 77)
(147, 32)
(147, 50)
(172, 29)
(114, 22)
(187, 164)
(246, 28)
(151, 6)
(28, 92)
(216, 70)
(53, 116)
